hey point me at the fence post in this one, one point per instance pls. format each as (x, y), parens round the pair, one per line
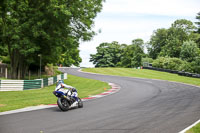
(6, 73)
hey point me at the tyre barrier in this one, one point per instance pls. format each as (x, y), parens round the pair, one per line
(181, 73)
(19, 85)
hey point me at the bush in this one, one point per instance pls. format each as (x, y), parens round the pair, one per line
(177, 64)
(167, 63)
(196, 65)
(189, 50)
(186, 66)
(159, 62)
(174, 63)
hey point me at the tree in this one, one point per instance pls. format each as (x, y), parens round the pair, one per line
(168, 42)
(179, 32)
(70, 57)
(108, 55)
(173, 43)
(198, 30)
(157, 41)
(198, 23)
(132, 54)
(185, 25)
(30, 28)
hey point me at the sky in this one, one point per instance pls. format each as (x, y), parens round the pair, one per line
(126, 20)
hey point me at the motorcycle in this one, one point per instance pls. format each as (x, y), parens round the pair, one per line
(65, 100)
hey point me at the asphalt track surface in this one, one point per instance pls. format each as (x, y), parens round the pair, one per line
(141, 106)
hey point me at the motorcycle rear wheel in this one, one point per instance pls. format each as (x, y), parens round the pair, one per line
(63, 104)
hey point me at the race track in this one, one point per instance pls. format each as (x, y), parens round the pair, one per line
(141, 106)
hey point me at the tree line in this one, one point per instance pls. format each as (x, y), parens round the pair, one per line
(118, 55)
(177, 47)
(47, 29)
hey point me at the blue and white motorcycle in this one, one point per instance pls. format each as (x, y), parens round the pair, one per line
(65, 101)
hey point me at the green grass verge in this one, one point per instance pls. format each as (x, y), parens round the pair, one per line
(3, 78)
(144, 73)
(195, 129)
(19, 99)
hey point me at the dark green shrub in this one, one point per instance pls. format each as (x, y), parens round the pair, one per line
(186, 66)
(196, 65)
(174, 63)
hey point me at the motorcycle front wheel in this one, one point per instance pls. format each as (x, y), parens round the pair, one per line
(63, 104)
(80, 103)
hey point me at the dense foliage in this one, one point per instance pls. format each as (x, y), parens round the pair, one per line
(50, 28)
(198, 30)
(189, 51)
(177, 64)
(168, 42)
(177, 48)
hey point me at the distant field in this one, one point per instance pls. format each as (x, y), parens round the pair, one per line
(144, 73)
(19, 99)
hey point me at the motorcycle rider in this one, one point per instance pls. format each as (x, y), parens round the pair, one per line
(73, 92)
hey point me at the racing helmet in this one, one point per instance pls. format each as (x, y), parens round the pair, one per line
(73, 90)
(60, 82)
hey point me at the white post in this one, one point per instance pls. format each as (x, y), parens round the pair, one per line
(6, 73)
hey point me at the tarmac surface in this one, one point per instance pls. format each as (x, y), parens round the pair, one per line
(141, 106)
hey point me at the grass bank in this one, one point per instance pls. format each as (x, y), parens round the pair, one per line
(144, 73)
(19, 99)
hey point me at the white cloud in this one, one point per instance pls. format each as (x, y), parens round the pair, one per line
(156, 7)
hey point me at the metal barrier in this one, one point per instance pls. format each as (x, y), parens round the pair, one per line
(16, 85)
(32, 84)
(12, 85)
(181, 73)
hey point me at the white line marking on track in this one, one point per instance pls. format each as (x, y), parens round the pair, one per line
(27, 109)
(186, 129)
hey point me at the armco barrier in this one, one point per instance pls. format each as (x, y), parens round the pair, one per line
(50, 81)
(55, 79)
(32, 84)
(16, 85)
(12, 85)
(181, 73)
(45, 82)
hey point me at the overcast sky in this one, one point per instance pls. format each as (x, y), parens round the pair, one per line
(125, 20)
